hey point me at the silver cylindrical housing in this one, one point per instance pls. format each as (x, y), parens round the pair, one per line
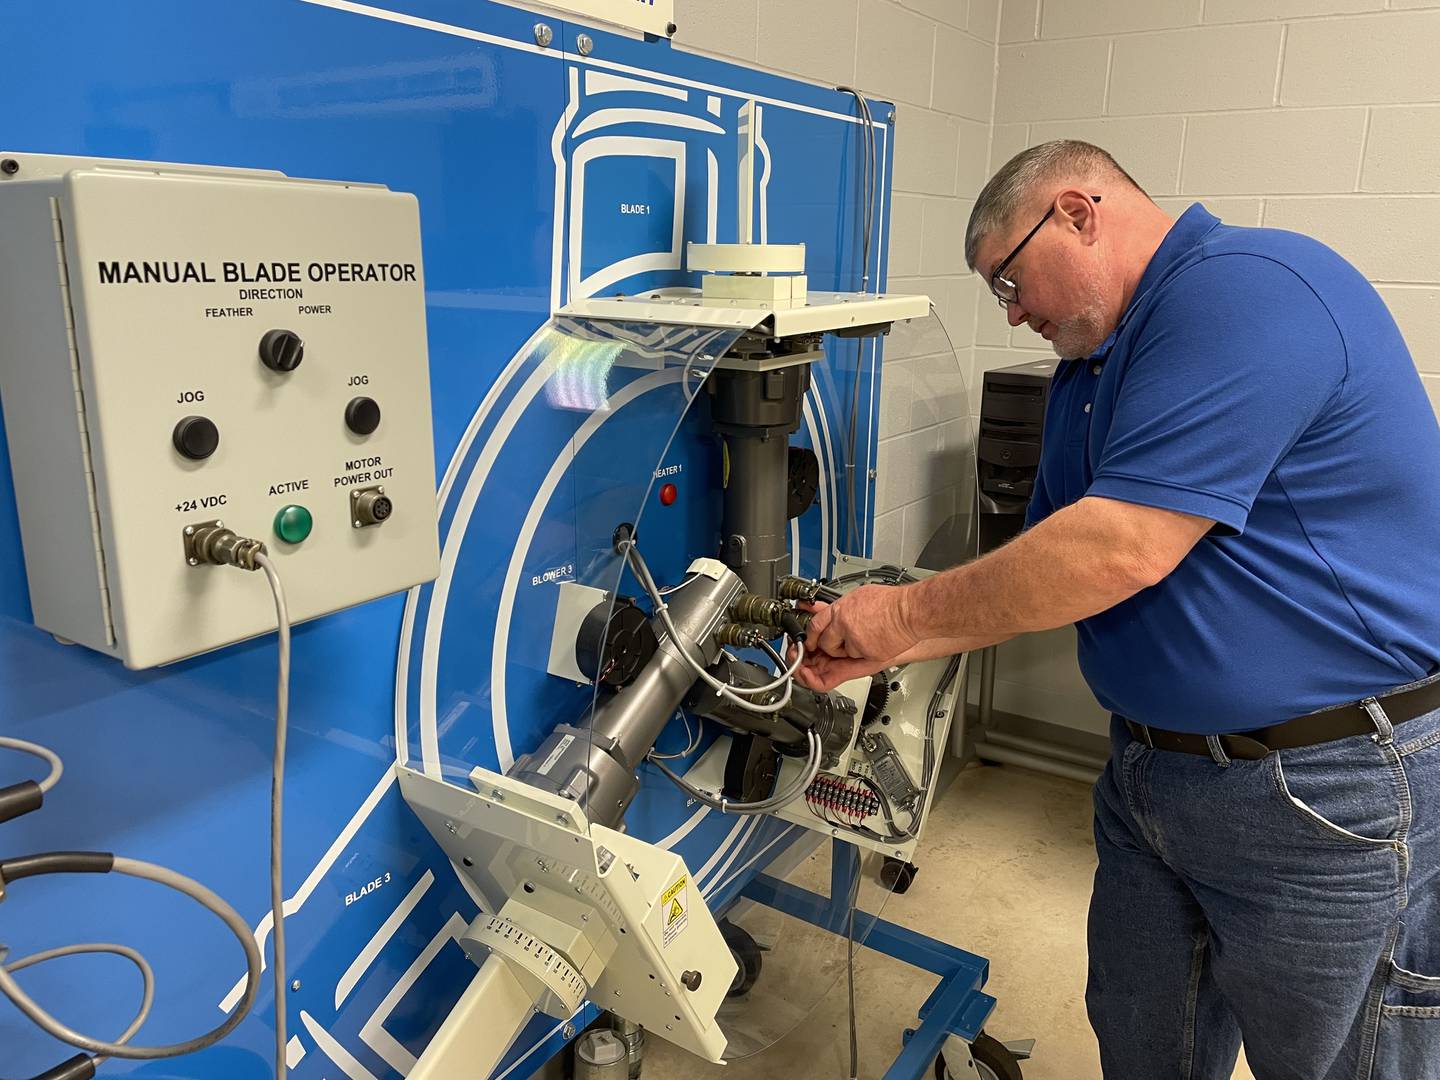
(594, 761)
(756, 533)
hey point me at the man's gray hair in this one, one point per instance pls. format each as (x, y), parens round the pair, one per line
(1032, 170)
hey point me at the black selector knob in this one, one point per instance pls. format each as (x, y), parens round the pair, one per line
(196, 437)
(281, 350)
(362, 415)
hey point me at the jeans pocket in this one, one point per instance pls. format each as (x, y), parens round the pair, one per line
(1407, 1046)
(1349, 792)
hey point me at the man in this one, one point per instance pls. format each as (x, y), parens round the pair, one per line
(1238, 505)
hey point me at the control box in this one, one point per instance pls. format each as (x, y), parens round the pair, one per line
(185, 345)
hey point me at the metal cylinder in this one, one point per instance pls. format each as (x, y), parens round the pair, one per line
(1046, 749)
(987, 686)
(756, 534)
(633, 1036)
(988, 751)
(756, 411)
(741, 636)
(213, 544)
(601, 1055)
(831, 716)
(594, 761)
(755, 608)
(793, 588)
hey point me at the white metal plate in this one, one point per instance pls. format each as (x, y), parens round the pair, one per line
(823, 311)
(506, 833)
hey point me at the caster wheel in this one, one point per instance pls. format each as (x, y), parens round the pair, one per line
(992, 1062)
(746, 952)
(897, 875)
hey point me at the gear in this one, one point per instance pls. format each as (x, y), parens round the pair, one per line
(878, 700)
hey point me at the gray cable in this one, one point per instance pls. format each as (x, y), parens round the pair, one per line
(761, 806)
(647, 581)
(867, 183)
(57, 767)
(147, 997)
(692, 740)
(277, 810)
(193, 889)
(852, 526)
(734, 693)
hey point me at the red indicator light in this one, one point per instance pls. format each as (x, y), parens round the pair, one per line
(668, 494)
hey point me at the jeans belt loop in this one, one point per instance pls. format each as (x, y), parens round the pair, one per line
(1384, 730)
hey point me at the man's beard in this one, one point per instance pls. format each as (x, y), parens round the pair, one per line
(1084, 333)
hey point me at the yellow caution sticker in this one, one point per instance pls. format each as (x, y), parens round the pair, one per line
(675, 902)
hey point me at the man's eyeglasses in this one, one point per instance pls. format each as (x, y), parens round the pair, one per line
(1005, 290)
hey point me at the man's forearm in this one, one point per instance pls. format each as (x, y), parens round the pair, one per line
(1076, 563)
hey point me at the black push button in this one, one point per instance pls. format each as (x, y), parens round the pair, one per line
(362, 415)
(196, 437)
(281, 350)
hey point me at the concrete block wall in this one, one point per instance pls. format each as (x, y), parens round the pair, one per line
(936, 60)
(1321, 116)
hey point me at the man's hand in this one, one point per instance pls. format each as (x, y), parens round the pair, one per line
(861, 633)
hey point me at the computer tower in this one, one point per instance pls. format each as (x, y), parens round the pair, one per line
(1012, 422)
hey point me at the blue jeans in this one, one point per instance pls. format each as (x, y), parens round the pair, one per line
(1292, 902)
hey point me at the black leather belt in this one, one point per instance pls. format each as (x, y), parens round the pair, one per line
(1318, 727)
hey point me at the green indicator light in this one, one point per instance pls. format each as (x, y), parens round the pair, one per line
(293, 524)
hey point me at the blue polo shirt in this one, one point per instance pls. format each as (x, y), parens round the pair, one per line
(1258, 380)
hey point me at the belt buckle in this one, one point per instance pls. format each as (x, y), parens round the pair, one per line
(1149, 740)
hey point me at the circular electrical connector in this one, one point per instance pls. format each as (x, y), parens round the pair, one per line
(370, 507)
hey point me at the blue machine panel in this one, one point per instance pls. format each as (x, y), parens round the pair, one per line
(542, 176)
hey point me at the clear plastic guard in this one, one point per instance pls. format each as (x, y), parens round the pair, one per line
(790, 965)
(942, 411)
(600, 424)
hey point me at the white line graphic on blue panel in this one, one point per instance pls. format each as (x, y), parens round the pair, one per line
(557, 154)
(334, 1051)
(327, 861)
(763, 149)
(373, 1033)
(684, 830)
(719, 852)
(610, 117)
(602, 82)
(752, 824)
(712, 207)
(381, 938)
(613, 147)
